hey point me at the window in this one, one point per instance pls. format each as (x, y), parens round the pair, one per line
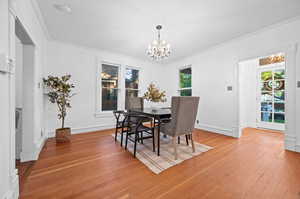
(185, 82)
(132, 82)
(109, 83)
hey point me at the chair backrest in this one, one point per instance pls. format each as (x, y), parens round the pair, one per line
(134, 103)
(184, 113)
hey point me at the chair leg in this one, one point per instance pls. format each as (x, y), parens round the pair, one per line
(193, 145)
(126, 141)
(135, 142)
(116, 133)
(122, 136)
(153, 141)
(142, 138)
(175, 147)
(178, 139)
(187, 139)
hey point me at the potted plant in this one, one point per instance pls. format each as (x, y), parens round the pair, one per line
(153, 94)
(59, 93)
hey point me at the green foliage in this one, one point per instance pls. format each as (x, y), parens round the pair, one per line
(185, 80)
(60, 93)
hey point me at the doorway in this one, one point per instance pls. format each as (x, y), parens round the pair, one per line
(24, 84)
(262, 93)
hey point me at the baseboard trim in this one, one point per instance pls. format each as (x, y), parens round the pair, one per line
(290, 143)
(215, 129)
(298, 148)
(13, 193)
(33, 155)
(86, 129)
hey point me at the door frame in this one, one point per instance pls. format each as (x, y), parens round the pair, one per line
(290, 51)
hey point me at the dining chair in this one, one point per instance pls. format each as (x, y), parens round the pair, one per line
(121, 124)
(184, 112)
(137, 103)
(134, 103)
(136, 129)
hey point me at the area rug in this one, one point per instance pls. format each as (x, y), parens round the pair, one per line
(166, 159)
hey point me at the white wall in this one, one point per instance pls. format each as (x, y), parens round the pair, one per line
(4, 105)
(19, 73)
(248, 93)
(216, 68)
(82, 63)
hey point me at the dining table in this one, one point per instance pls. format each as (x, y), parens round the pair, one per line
(159, 115)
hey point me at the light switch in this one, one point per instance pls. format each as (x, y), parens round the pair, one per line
(229, 88)
(298, 84)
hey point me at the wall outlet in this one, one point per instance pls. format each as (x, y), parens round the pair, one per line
(229, 88)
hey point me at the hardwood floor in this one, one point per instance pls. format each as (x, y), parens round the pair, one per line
(94, 166)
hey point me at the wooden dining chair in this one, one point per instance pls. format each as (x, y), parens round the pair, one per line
(121, 124)
(184, 111)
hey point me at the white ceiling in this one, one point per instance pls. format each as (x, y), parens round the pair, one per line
(128, 26)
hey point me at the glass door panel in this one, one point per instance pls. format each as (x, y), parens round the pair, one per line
(271, 97)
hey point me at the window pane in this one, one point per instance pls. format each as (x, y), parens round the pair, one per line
(266, 86)
(109, 99)
(266, 116)
(279, 74)
(131, 93)
(185, 78)
(279, 85)
(266, 106)
(279, 107)
(109, 76)
(266, 76)
(279, 96)
(109, 81)
(187, 92)
(279, 118)
(266, 97)
(132, 78)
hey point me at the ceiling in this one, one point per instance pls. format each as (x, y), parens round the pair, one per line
(128, 26)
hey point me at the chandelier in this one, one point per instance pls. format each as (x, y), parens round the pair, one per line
(159, 49)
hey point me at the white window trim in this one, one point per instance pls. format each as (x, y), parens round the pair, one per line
(98, 109)
(186, 88)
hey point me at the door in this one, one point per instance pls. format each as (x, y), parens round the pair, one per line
(271, 96)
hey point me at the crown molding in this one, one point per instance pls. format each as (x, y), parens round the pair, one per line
(40, 18)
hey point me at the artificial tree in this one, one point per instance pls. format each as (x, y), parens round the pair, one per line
(60, 93)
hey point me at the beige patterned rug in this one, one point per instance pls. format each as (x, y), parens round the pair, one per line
(166, 159)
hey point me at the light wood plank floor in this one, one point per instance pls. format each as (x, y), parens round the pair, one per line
(94, 166)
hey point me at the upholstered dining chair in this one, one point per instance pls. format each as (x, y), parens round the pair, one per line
(134, 103)
(184, 112)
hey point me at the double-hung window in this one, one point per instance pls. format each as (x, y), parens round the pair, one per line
(109, 87)
(185, 81)
(131, 82)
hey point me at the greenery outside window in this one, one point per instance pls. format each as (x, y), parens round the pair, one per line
(185, 82)
(131, 82)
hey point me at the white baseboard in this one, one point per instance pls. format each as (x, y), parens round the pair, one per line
(215, 129)
(290, 143)
(33, 155)
(13, 193)
(86, 129)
